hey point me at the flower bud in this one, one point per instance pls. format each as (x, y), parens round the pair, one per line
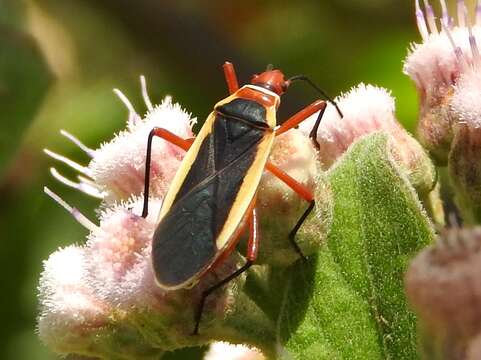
(368, 109)
(443, 287)
(118, 166)
(465, 171)
(117, 169)
(67, 302)
(74, 320)
(436, 65)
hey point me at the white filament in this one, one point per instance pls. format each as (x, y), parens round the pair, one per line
(86, 188)
(77, 215)
(90, 152)
(423, 30)
(82, 169)
(145, 93)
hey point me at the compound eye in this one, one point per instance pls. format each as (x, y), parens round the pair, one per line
(285, 85)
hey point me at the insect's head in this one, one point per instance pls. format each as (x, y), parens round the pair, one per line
(271, 79)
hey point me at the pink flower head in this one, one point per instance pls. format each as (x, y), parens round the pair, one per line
(444, 68)
(465, 102)
(117, 168)
(368, 109)
(69, 308)
(118, 253)
(447, 50)
(110, 282)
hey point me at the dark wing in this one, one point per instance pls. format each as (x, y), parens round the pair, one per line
(184, 242)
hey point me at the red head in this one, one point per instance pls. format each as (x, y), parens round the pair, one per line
(272, 80)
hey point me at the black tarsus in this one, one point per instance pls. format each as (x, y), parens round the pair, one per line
(315, 128)
(148, 160)
(293, 233)
(327, 97)
(200, 308)
(313, 133)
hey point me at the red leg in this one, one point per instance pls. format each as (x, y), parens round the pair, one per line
(319, 105)
(230, 77)
(251, 256)
(291, 182)
(170, 137)
(303, 192)
(253, 243)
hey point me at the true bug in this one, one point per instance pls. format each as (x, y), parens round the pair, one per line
(215, 187)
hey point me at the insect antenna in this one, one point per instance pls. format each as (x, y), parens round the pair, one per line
(318, 89)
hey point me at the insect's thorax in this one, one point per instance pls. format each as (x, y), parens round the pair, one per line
(253, 104)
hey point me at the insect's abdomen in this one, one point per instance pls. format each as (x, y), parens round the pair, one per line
(206, 208)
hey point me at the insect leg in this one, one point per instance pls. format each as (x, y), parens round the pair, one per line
(252, 250)
(170, 137)
(230, 77)
(302, 115)
(318, 105)
(303, 192)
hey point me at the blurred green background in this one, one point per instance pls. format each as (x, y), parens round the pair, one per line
(59, 61)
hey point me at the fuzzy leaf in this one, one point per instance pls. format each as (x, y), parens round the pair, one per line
(358, 309)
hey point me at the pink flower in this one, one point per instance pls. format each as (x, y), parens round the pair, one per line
(368, 109)
(117, 168)
(445, 68)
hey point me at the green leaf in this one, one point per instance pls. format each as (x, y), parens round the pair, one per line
(24, 79)
(358, 309)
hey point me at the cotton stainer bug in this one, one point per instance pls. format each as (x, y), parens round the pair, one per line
(215, 188)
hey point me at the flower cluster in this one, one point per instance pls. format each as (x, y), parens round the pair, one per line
(89, 294)
(100, 299)
(368, 109)
(444, 68)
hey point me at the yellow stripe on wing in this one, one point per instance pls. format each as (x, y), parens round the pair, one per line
(186, 165)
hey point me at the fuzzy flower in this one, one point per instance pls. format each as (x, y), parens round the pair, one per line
(446, 62)
(368, 109)
(447, 72)
(443, 287)
(465, 105)
(68, 304)
(117, 168)
(108, 283)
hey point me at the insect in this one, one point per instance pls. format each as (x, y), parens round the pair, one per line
(214, 190)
